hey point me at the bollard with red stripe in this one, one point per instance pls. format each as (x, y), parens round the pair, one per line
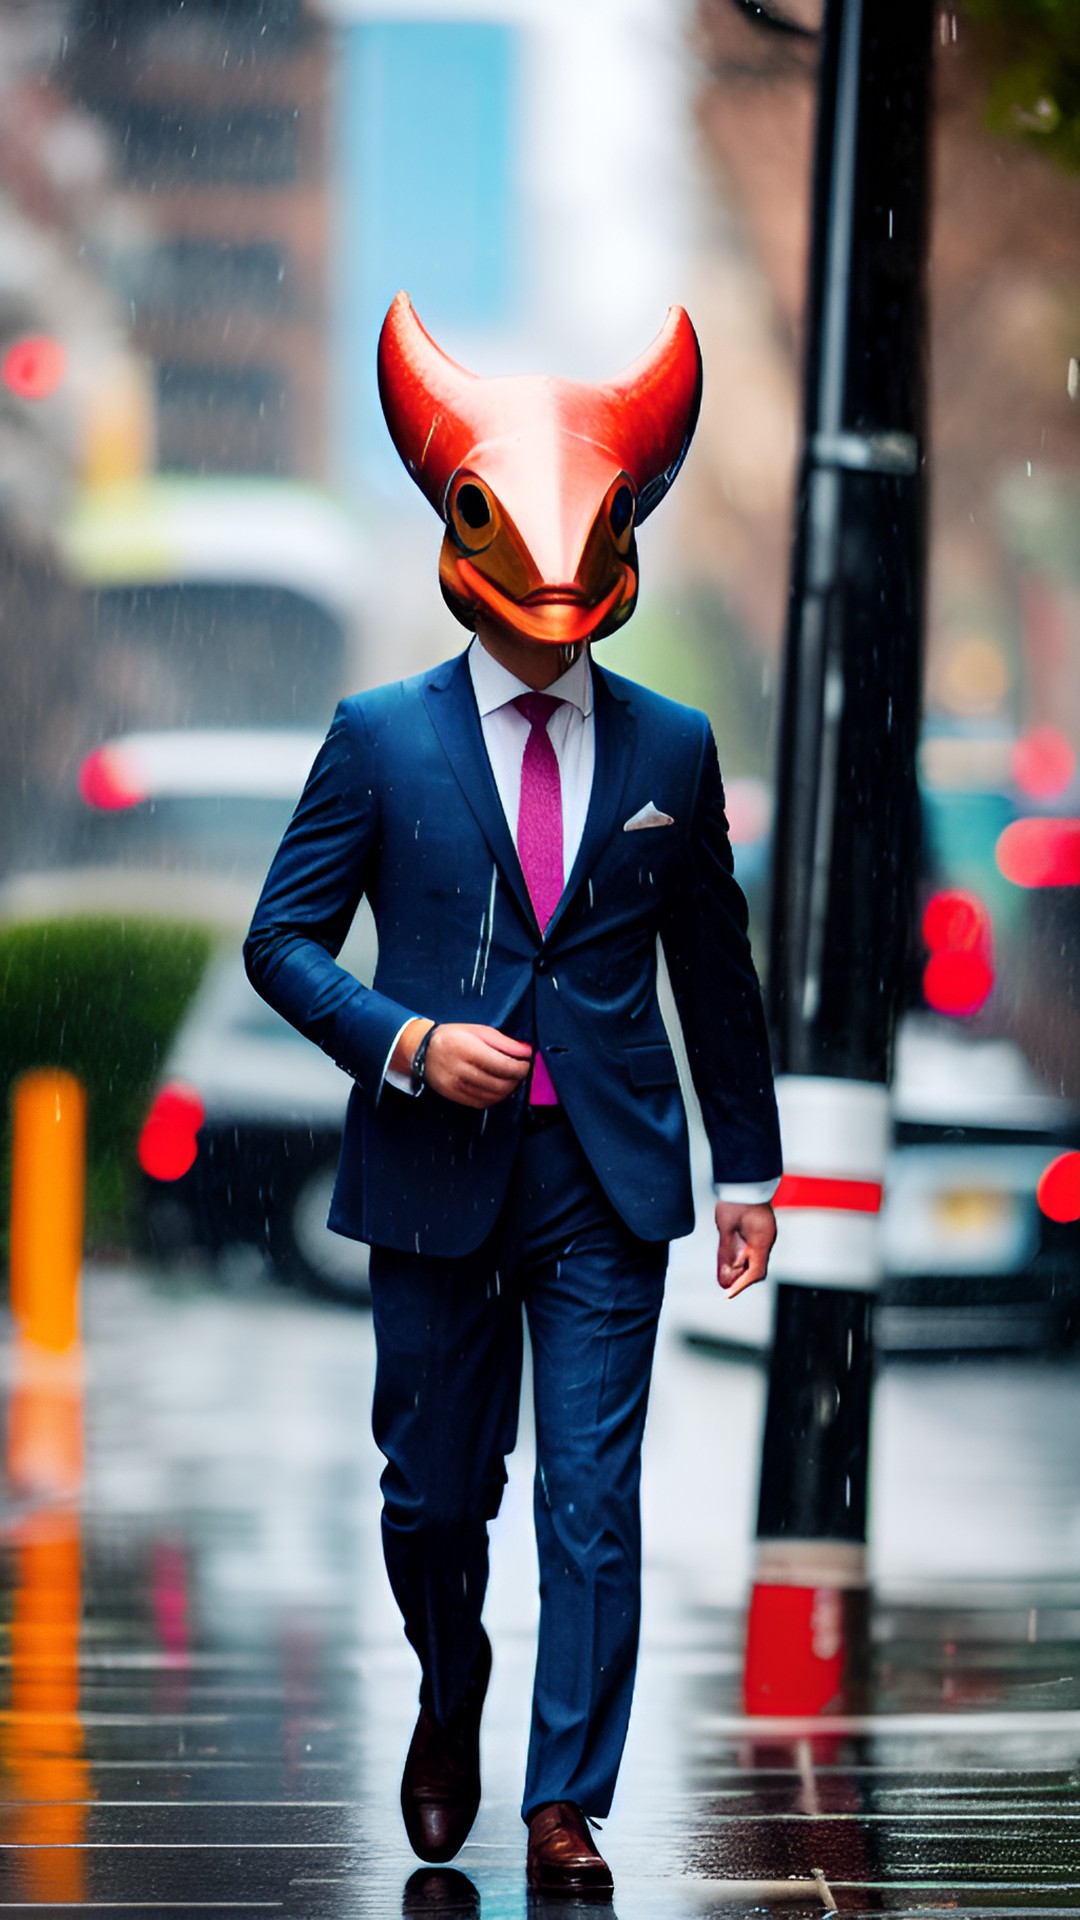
(807, 1611)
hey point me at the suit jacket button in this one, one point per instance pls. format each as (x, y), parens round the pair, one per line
(540, 963)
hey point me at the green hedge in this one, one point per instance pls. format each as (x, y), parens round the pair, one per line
(101, 997)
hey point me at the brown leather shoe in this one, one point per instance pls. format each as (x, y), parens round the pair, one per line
(562, 1857)
(440, 1787)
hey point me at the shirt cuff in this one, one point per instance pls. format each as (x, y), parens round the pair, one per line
(390, 1075)
(750, 1193)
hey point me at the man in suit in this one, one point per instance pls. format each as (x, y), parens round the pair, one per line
(526, 826)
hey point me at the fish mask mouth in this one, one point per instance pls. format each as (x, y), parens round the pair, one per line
(558, 617)
(541, 483)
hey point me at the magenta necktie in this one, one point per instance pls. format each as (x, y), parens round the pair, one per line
(540, 839)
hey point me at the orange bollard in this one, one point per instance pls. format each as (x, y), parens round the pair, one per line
(47, 1206)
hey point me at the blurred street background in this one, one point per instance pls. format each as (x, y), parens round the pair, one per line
(206, 538)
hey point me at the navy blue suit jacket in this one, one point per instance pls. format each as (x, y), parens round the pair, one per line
(401, 805)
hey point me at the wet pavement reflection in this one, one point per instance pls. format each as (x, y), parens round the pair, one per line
(205, 1697)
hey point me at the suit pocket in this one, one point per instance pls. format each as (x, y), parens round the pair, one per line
(652, 1066)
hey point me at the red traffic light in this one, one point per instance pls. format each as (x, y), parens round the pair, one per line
(34, 368)
(959, 975)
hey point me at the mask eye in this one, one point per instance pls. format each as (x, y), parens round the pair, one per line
(473, 516)
(621, 504)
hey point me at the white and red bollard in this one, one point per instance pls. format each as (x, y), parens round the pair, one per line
(806, 1630)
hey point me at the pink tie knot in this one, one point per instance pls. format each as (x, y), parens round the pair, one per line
(537, 707)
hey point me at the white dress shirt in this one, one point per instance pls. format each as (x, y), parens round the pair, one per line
(572, 733)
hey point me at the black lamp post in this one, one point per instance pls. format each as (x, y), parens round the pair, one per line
(846, 825)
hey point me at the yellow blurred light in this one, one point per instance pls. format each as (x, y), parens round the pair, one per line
(975, 677)
(118, 426)
(972, 1210)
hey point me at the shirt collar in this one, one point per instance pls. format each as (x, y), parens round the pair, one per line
(495, 686)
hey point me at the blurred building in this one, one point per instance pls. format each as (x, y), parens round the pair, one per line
(68, 385)
(218, 120)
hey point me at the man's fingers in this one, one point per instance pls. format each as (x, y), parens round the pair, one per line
(746, 1235)
(502, 1043)
(731, 1288)
(496, 1072)
(476, 1066)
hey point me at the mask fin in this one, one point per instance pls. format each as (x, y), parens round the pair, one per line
(428, 401)
(654, 408)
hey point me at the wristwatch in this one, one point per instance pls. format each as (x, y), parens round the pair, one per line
(418, 1066)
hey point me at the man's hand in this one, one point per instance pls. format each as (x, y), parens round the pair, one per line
(746, 1240)
(473, 1066)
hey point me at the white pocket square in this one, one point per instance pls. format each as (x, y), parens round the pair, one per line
(647, 816)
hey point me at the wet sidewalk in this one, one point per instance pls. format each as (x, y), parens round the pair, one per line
(206, 1697)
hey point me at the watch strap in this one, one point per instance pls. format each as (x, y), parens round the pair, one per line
(418, 1066)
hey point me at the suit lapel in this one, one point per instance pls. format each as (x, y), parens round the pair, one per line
(450, 701)
(616, 734)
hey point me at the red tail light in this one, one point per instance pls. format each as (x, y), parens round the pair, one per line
(1058, 1191)
(1043, 763)
(167, 1144)
(959, 975)
(1040, 853)
(108, 780)
(34, 368)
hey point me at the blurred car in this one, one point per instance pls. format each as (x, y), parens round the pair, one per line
(974, 1255)
(239, 1146)
(205, 801)
(974, 1260)
(177, 822)
(981, 1242)
(240, 1143)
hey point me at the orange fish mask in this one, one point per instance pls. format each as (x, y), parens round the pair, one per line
(541, 483)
